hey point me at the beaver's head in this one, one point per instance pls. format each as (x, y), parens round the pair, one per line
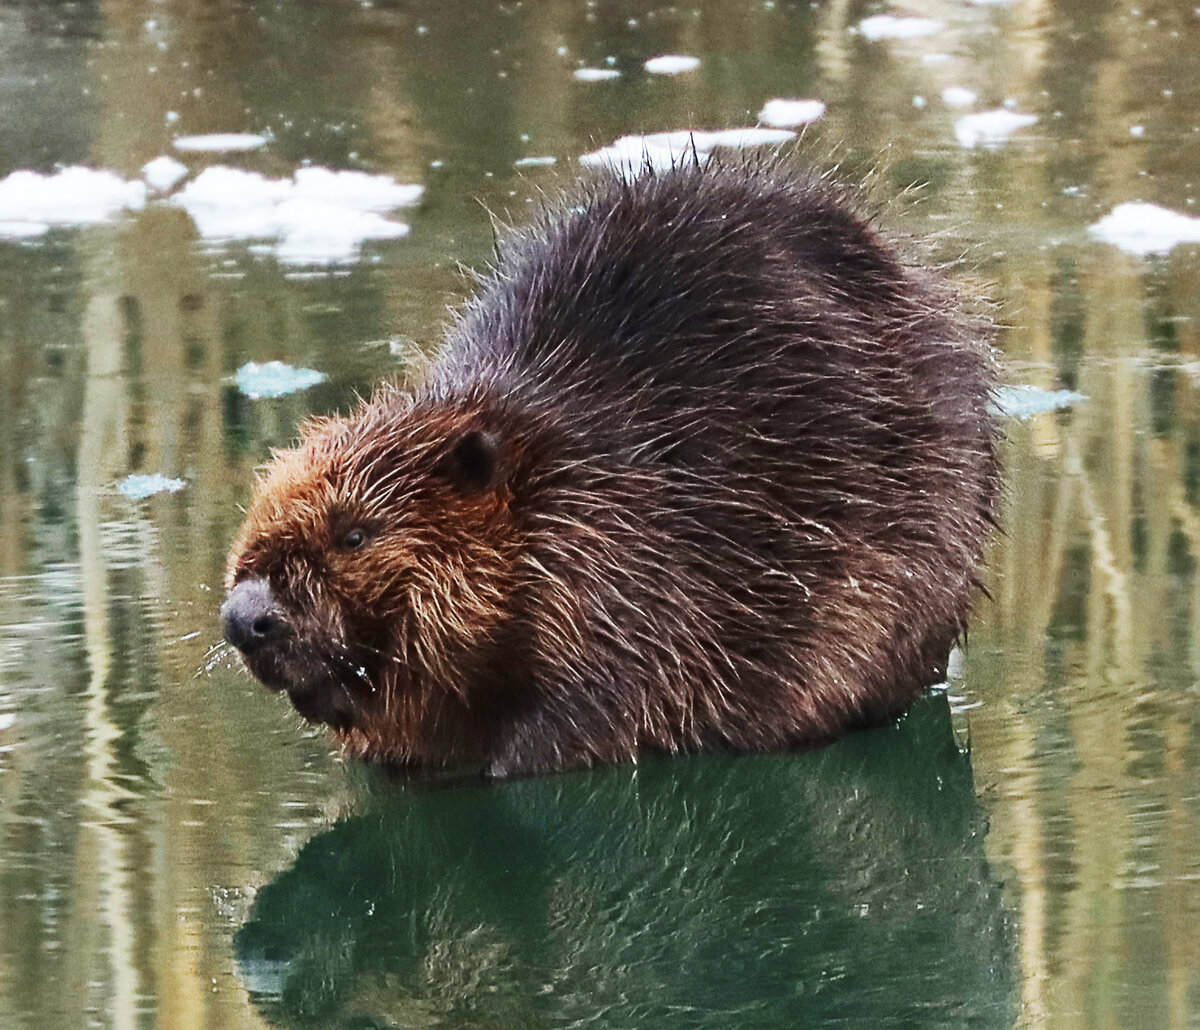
(377, 556)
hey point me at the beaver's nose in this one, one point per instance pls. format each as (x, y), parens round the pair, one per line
(250, 616)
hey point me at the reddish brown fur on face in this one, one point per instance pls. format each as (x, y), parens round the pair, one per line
(704, 465)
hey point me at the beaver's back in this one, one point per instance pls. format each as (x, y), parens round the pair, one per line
(782, 426)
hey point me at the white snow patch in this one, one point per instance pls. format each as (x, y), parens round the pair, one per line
(220, 142)
(888, 26)
(672, 64)
(957, 96)
(781, 113)
(31, 203)
(535, 162)
(1140, 228)
(595, 74)
(990, 128)
(320, 216)
(664, 150)
(163, 172)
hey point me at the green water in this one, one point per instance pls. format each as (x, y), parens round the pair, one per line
(178, 850)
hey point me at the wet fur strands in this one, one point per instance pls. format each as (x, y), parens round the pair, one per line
(705, 465)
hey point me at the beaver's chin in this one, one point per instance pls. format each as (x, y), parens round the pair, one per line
(330, 703)
(318, 696)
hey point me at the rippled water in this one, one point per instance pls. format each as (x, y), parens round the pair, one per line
(178, 850)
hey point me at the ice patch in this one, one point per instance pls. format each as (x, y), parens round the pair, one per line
(671, 64)
(662, 151)
(220, 142)
(990, 128)
(595, 74)
(318, 217)
(888, 26)
(163, 172)
(358, 190)
(956, 96)
(1140, 228)
(7, 720)
(780, 113)
(140, 485)
(274, 379)
(32, 203)
(1022, 402)
(535, 162)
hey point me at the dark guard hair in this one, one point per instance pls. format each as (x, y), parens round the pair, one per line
(705, 464)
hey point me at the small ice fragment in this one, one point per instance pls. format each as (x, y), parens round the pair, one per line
(535, 162)
(785, 114)
(171, 117)
(139, 486)
(220, 142)
(7, 720)
(22, 230)
(314, 232)
(919, 102)
(1140, 228)
(319, 217)
(1137, 130)
(957, 96)
(163, 172)
(990, 128)
(935, 58)
(672, 64)
(1022, 402)
(358, 190)
(274, 379)
(888, 26)
(30, 202)
(595, 74)
(664, 150)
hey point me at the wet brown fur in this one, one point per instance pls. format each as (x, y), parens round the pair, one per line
(705, 465)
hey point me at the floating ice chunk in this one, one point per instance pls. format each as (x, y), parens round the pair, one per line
(990, 128)
(139, 486)
(664, 150)
(358, 190)
(671, 64)
(163, 172)
(228, 204)
(535, 162)
(7, 720)
(220, 142)
(1022, 402)
(781, 113)
(888, 26)
(22, 230)
(31, 203)
(319, 217)
(595, 74)
(957, 96)
(274, 379)
(1140, 228)
(315, 232)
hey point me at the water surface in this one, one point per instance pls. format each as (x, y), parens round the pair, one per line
(177, 849)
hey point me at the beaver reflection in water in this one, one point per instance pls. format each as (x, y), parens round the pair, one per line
(704, 465)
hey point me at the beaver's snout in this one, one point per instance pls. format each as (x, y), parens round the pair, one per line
(250, 616)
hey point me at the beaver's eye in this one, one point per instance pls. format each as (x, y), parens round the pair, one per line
(354, 539)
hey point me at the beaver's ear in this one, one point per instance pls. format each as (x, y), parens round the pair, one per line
(474, 461)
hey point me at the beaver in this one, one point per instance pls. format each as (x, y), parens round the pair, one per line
(706, 463)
